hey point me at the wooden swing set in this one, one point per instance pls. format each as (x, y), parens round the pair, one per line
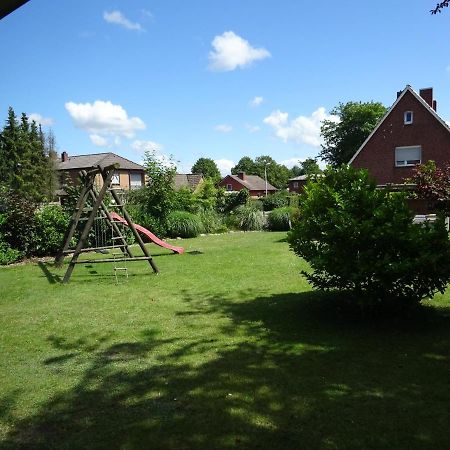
(108, 233)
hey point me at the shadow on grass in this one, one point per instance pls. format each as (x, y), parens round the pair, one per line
(286, 371)
(51, 277)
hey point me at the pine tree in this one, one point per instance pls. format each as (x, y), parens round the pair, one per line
(9, 151)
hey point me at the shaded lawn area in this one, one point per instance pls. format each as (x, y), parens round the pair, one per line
(226, 348)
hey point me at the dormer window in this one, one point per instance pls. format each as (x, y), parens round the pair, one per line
(408, 117)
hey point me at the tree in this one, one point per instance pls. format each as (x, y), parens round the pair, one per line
(245, 164)
(24, 164)
(307, 167)
(342, 138)
(208, 168)
(361, 241)
(440, 6)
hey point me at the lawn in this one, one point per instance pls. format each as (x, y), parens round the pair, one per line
(227, 348)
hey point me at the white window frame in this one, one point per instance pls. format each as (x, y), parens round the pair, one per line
(408, 120)
(407, 162)
(115, 180)
(229, 187)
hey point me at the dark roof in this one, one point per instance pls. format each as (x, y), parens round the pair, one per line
(254, 183)
(103, 159)
(190, 180)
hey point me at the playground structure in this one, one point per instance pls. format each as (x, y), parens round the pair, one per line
(107, 227)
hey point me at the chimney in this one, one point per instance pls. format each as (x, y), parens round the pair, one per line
(399, 93)
(241, 175)
(427, 95)
(64, 157)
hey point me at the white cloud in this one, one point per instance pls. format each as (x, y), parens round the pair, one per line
(256, 101)
(302, 129)
(224, 165)
(117, 18)
(252, 128)
(40, 119)
(223, 128)
(291, 162)
(231, 51)
(98, 140)
(146, 146)
(104, 118)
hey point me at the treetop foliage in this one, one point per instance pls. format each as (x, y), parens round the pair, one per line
(208, 168)
(343, 138)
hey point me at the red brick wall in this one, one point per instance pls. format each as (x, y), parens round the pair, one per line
(238, 186)
(378, 155)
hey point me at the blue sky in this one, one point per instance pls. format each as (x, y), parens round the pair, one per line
(217, 79)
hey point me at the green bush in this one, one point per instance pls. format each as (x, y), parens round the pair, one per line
(8, 255)
(273, 201)
(280, 219)
(184, 224)
(249, 218)
(51, 224)
(361, 241)
(228, 201)
(212, 222)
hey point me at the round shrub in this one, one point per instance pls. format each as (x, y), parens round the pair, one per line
(184, 224)
(249, 218)
(360, 240)
(277, 200)
(280, 219)
(212, 222)
(51, 224)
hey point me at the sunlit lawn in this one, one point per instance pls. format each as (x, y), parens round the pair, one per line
(226, 348)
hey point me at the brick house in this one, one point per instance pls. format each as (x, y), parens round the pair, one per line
(255, 184)
(297, 184)
(410, 133)
(129, 175)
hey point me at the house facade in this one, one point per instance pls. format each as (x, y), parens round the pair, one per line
(410, 133)
(256, 185)
(128, 176)
(297, 184)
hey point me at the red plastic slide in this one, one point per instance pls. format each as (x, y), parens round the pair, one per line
(149, 234)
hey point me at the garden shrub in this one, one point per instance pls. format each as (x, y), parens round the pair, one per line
(249, 218)
(277, 200)
(280, 219)
(8, 255)
(51, 224)
(361, 241)
(212, 222)
(184, 224)
(228, 201)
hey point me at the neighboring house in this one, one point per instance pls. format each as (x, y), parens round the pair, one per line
(410, 133)
(188, 180)
(255, 184)
(297, 184)
(128, 176)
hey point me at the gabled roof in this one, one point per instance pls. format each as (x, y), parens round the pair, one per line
(190, 180)
(299, 178)
(408, 88)
(103, 159)
(253, 183)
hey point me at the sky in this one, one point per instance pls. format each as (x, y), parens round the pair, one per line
(212, 78)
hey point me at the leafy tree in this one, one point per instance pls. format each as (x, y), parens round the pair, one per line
(208, 168)
(307, 167)
(440, 6)
(433, 184)
(245, 164)
(342, 138)
(361, 241)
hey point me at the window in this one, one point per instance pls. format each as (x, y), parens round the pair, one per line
(229, 187)
(295, 184)
(408, 117)
(408, 156)
(135, 180)
(115, 180)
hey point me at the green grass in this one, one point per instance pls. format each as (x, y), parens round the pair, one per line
(227, 348)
